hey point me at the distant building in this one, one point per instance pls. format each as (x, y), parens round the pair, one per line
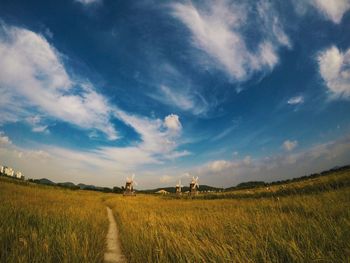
(19, 175)
(9, 171)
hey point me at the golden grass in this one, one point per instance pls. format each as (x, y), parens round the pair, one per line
(49, 224)
(45, 224)
(295, 228)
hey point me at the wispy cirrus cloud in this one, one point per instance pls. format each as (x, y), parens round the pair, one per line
(217, 29)
(296, 100)
(174, 89)
(181, 99)
(37, 125)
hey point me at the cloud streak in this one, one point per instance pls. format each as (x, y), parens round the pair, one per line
(296, 100)
(32, 75)
(217, 29)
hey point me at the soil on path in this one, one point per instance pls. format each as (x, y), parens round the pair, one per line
(114, 253)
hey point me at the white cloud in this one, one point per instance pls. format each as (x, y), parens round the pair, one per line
(332, 9)
(166, 179)
(154, 140)
(91, 167)
(335, 70)
(176, 90)
(296, 100)
(224, 133)
(88, 2)
(4, 139)
(32, 75)
(284, 166)
(42, 128)
(37, 126)
(184, 100)
(178, 99)
(217, 29)
(289, 145)
(37, 89)
(172, 122)
(219, 165)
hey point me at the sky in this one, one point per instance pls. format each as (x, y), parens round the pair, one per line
(92, 91)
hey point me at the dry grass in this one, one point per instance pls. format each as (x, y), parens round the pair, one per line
(295, 228)
(45, 224)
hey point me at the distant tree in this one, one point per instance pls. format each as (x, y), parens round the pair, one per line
(117, 189)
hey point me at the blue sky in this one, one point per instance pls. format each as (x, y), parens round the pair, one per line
(94, 90)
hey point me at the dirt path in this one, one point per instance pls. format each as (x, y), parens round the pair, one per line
(114, 253)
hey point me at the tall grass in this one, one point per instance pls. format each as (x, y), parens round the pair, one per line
(296, 228)
(306, 221)
(45, 224)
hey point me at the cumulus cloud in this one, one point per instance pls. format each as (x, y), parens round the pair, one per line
(296, 100)
(332, 10)
(32, 75)
(172, 122)
(289, 145)
(217, 30)
(334, 67)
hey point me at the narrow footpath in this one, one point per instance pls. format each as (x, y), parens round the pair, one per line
(114, 253)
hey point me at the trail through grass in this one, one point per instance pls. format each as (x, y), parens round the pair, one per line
(306, 221)
(113, 253)
(296, 228)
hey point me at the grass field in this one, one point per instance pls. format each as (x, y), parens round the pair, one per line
(45, 224)
(306, 221)
(313, 227)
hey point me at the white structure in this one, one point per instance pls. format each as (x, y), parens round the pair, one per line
(18, 175)
(129, 186)
(194, 186)
(1, 169)
(8, 171)
(178, 188)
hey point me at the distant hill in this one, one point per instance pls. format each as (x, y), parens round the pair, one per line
(246, 185)
(86, 187)
(254, 184)
(68, 185)
(43, 181)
